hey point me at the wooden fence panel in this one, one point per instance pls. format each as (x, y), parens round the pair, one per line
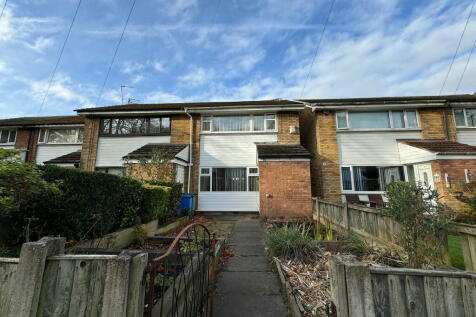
(362, 290)
(8, 267)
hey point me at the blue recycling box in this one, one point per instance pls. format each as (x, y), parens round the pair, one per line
(186, 205)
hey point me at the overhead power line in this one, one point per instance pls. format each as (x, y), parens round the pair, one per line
(115, 52)
(457, 47)
(60, 55)
(316, 54)
(465, 67)
(3, 9)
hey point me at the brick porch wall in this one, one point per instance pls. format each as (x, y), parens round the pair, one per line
(285, 120)
(289, 184)
(455, 170)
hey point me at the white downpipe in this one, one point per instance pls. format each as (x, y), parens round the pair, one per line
(190, 162)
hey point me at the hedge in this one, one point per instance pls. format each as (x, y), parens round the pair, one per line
(175, 195)
(93, 204)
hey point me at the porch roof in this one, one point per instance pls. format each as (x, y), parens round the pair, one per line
(170, 150)
(281, 151)
(441, 146)
(70, 158)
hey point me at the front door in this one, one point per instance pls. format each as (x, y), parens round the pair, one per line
(424, 175)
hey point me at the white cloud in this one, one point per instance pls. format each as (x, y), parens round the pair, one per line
(137, 78)
(197, 76)
(129, 67)
(158, 66)
(162, 97)
(40, 44)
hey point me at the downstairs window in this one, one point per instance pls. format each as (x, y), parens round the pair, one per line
(222, 179)
(370, 178)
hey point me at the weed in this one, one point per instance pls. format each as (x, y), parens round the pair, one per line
(292, 241)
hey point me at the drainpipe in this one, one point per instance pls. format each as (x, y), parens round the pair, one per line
(190, 163)
(445, 121)
(312, 106)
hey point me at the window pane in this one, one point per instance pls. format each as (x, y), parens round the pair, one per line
(4, 136)
(369, 120)
(341, 120)
(165, 125)
(411, 174)
(366, 178)
(205, 183)
(258, 123)
(270, 124)
(229, 179)
(105, 126)
(398, 119)
(346, 178)
(206, 124)
(13, 134)
(412, 121)
(389, 175)
(253, 170)
(205, 171)
(253, 183)
(136, 126)
(231, 123)
(471, 117)
(117, 126)
(80, 136)
(459, 117)
(41, 138)
(62, 136)
(154, 125)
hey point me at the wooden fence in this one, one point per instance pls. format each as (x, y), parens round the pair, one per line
(45, 282)
(361, 290)
(375, 227)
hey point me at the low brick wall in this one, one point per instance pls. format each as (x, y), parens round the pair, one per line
(285, 189)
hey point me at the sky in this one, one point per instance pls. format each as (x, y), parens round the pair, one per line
(220, 50)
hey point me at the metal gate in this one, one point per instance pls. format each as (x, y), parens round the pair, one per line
(179, 281)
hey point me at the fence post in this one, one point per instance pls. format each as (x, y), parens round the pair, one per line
(359, 290)
(116, 288)
(338, 283)
(318, 220)
(29, 275)
(346, 216)
(469, 251)
(136, 293)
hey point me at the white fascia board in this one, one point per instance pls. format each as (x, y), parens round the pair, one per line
(58, 125)
(262, 109)
(380, 106)
(440, 156)
(463, 104)
(284, 160)
(130, 113)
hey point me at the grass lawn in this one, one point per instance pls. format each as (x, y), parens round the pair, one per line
(456, 251)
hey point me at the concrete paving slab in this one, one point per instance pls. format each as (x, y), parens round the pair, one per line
(247, 264)
(246, 283)
(246, 239)
(246, 250)
(231, 305)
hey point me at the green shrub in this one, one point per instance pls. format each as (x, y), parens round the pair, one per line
(292, 241)
(355, 245)
(156, 202)
(174, 197)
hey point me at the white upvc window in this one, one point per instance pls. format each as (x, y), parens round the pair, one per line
(8, 136)
(465, 117)
(370, 178)
(229, 179)
(61, 136)
(377, 120)
(240, 123)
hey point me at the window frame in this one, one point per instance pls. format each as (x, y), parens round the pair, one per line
(466, 125)
(353, 191)
(209, 118)
(46, 132)
(390, 117)
(210, 174)
(147, 127)
(8, 137)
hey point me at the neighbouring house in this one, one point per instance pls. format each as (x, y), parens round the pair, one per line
(236, 156)
(360, 145)
(54, 140)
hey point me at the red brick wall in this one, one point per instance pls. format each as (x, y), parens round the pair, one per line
(289, 184)
(27, 139)
(455, 170)
(285, 120)
(90, 143)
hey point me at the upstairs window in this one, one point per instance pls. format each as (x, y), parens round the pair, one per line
(465, 118)
(61, 136)
(8, 136)
(368, 120)
(240, 123)
(135, 126)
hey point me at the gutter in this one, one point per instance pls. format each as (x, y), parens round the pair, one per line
(190, 157)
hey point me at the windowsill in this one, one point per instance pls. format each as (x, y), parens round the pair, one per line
(41, 144)
(465, 128)
(5, 144)
(378, 130)
(131, 135)
(363, 192)
(238, 132)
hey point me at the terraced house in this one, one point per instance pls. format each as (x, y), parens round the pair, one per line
(271, 156)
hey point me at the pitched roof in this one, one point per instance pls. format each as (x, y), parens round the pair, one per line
(146, 151)
(441, 146)
(73, 157)
(283, 102)
(181, 106)
(275, 150)
(34, 121)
